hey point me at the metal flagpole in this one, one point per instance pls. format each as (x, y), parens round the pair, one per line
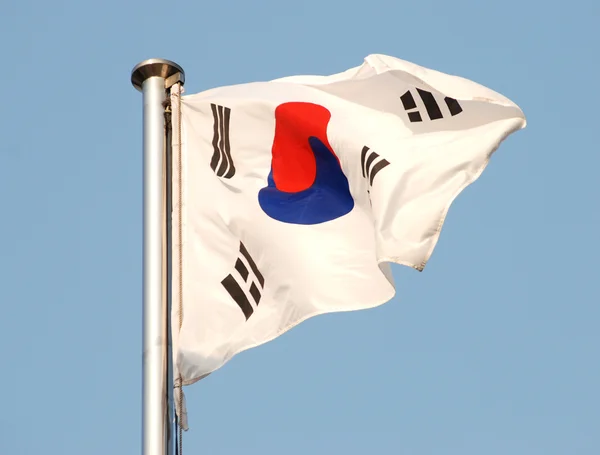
(153, 77)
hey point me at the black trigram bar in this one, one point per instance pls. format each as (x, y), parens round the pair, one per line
(239, 295)
(453, 105)
(253, 266)
(408, 101)
(367, 158)
(221, 145)
(433, 109)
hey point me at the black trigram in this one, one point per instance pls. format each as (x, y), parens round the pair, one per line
(221, 161)
(371, 164)
(231, 285)
(433, 109)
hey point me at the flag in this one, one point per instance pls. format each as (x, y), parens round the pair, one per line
(293, 196)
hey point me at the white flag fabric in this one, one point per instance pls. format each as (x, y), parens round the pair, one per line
(297, 193)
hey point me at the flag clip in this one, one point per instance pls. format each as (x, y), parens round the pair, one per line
(174, 79)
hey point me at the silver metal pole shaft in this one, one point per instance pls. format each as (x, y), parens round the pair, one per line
(150, 78)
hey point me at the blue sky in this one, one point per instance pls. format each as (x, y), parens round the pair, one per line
(493, 349)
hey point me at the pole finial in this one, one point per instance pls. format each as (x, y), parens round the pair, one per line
(154, 67)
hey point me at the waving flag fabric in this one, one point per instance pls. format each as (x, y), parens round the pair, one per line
(297, 193)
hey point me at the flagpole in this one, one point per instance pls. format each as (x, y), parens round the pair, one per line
(152, 77)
